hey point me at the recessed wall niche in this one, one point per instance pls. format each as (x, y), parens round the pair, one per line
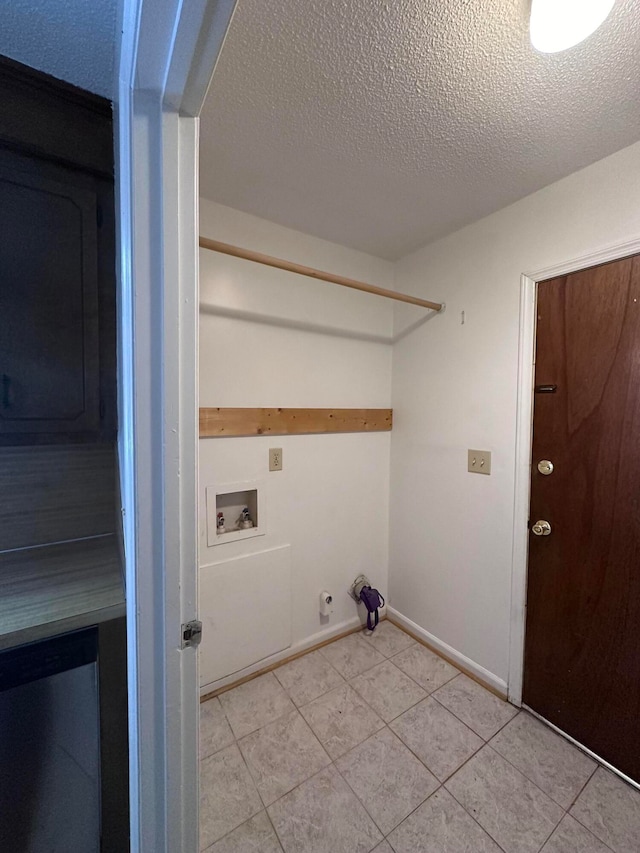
(231, 500)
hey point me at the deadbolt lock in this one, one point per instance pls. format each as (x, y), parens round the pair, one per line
(545, 467)
(541, 528)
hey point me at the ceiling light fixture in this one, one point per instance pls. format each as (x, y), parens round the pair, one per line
(560, 24)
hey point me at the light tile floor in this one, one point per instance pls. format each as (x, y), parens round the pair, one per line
(374, 743)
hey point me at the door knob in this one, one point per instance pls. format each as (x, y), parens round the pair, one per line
(545, 467)
(541, 528)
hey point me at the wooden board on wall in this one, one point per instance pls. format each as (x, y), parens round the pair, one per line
(221, 423)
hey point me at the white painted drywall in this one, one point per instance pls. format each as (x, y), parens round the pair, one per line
(330, 502)
(245, 612)
(454, 387)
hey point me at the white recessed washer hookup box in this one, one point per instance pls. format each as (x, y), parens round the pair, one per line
(236, 511)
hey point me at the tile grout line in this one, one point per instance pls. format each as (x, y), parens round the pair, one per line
(406, 674)
(567, 811)
(275, 831)
(589, 753)
(441, 784)
(535, 784)
(488, 745)
(577, 796)
(390, 660)
(412, 812)
(444, 683)
(451, 711)
(466, 761)
(466, 811)
(346, 781)
(586, 828)
(313, 734)
(453, 772)
(408, 748)
(462, 723)
(456, 665)
(544, 843)
(302, 657)
(216, 751)
(417, 702)
(264, 808)
(577, 819)
(333, 762)
(237, 745)
(462, 806)
(442, 787)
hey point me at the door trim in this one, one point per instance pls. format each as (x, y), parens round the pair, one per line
(167, 58)
(524, 436)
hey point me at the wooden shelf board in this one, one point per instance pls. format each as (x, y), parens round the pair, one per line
(228, 422)
(50, 589)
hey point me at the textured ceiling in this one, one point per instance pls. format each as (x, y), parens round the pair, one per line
(384, 125)
(73, 40)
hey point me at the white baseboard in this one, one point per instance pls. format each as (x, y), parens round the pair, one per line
(301, 646)
(499, 685)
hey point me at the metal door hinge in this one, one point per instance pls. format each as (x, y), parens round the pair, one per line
(191, 634)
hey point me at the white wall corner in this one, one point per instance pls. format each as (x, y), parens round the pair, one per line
(466, 664)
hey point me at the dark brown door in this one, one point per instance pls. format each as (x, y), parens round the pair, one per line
(582, 651)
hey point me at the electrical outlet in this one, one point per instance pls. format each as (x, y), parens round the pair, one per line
(479, 461)
(275, 459)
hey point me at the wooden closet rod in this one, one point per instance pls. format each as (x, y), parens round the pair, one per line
(290, 266)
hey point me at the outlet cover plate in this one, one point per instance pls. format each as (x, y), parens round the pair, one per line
(479, 461)
(275, 459)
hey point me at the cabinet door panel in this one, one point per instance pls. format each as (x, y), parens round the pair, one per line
(48, 301)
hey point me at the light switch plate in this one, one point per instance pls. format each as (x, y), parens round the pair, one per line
(479, 461)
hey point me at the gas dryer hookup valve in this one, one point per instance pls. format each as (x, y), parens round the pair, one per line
(362, 591)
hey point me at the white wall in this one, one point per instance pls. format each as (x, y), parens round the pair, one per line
(454, 387)
(270, 338)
